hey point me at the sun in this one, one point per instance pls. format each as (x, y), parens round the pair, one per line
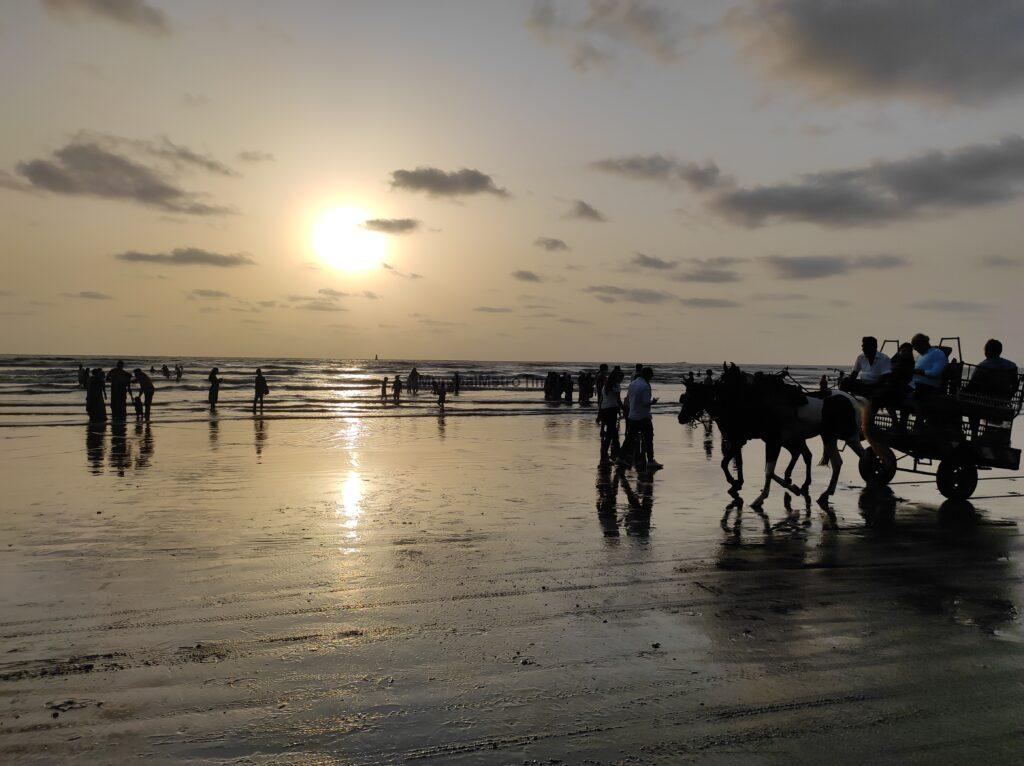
(342, 242)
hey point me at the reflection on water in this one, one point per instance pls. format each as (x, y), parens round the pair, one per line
(214, 432)
(94, 446)
(144, 435)
(259, 427)
(120, 451)
(351, 509)
(121, 447)
(639, 505)
(709, 438)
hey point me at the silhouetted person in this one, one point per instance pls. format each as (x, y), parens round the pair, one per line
(690, 380)
(384, 389)
(637, 369)
(870, 371)
(567, 386)
(260, 389)
(120, 381)
(165, 371)
(214, 387)
(442, 393)
(95, 397)
(83, 376)
(146, 391)
(994, 378)
(179, 370)
(414, 381)
(396, 389)
(709, 376)
(456, 383)
(599, 381)
(639, 424)
(610, 400)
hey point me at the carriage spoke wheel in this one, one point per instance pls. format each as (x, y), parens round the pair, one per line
(956, 478)
(877, 471)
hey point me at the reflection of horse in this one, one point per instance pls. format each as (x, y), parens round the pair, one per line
(765, 407)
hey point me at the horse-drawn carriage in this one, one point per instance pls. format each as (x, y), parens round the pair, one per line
(965, 427)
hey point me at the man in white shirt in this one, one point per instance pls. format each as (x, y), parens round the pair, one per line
(870, 370)
(639, 425)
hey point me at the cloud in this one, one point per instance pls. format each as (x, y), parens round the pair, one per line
(90, 295)
(652, 262)
(614, 293)
(884, 191)
(567, 320)
(195, 99)
(396, 273)
(85, 167)
(527, 276)
(132, 13)
(188, 256)
(657, 167)
(267, 304)
(821, 266)
(585, 212)
(999, 262)
(316, 304)
(493, 310)
(965, 307)
(709, 270)
(550, 244)
(591, 40)
(370, 295)
(204, 293)
(708, 303)
(779, 297)
(330, 292)
(392, 225)
(440, 183)
(255, 155)
(958, 51)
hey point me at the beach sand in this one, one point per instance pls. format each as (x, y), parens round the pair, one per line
(469, 590)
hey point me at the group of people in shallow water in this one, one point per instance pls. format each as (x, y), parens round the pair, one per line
(119, 380)
(439, 387)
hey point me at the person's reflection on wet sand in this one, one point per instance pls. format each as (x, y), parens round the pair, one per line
(144, 434)
(877, 507)
(214, 433)
(607, 494)
(709, 438)
(440, 424)
(120, 453)
(95, 446)
(641, 505)
(259, 428)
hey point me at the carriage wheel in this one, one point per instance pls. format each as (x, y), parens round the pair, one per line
(877, 471)
(956, 478)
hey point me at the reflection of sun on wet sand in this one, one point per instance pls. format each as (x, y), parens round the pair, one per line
(466, 590)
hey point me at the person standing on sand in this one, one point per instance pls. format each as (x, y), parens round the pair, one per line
(599, 383)
(442, 393)
(214, 387)
(120, 381)
(95, 397)
(639, 424)
(609, 405)
(261, 389)
(146, 391)
(456, 383)
(396, 389)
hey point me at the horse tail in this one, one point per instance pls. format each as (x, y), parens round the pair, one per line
(838, 421)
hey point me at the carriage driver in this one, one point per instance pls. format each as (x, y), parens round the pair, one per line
(871, 370)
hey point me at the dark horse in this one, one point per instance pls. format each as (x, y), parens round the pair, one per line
(765, 407)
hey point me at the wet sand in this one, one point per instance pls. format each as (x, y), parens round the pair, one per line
(474, 590)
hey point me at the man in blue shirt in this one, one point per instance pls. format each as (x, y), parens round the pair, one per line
(639, 424)
(931, 364)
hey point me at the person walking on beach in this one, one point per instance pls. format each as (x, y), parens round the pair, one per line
(396, 389)
(609, 405)
(214, 387)
(384, 389)
(639, 424)
(599, 382)
(120, 381)
(261, 389)
(95, 397)
(146, 391)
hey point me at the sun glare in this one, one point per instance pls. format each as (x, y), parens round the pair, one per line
(342, 242)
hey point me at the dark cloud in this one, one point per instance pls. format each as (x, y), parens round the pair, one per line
(204, 293)
(567, 320)
(965, 307)
(392, 225)
(709, 270)
(86, 168)
(188, 256)
(255, 155)
(591, 39)
(133, 13)
(317, 304)
(657, 167)
(999, 262)
(330, 292)
(779, 297)
(396, 273)
(820, 266)
(493, 310)
(370, 295)
(8, 181)
(440, 183)
(966, 51)
(585, 212)
(527, 276)
(613, 293)
(708, 303)
(90, 295)
(267, 304)
(550, 244)
(974, 176)
(652, 262)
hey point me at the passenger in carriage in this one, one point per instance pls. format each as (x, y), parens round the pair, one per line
(994, 377)
(870, 371)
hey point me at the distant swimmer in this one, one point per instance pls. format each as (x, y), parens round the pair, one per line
(456, 383)
(261, 389)
(214, 387)
(414, 381)
(120, 381)
(179, 370)
(146, 391)
(166, 372)
(95, 397)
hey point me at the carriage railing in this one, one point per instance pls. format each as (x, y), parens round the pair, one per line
(967, 387)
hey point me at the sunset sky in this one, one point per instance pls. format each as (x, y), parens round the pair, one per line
(763, 181)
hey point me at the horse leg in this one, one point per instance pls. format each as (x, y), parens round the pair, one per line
(805, 488)
(794, 455)
(832, 453)
(728, 453)
(771, 456)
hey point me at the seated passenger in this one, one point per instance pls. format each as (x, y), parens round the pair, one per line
(870, 371)
(994, 378)
(930, 368)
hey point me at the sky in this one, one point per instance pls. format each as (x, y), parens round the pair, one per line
(759, 180)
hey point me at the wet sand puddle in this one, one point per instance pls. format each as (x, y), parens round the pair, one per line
(475, 590)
